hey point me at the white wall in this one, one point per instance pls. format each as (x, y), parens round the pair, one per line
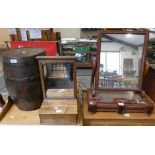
(4, 36)
(151, 35)
(128, 54)
(68, 32)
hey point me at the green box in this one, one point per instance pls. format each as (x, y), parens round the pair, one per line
(82, 49)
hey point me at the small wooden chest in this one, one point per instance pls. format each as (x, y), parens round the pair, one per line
(59, 112)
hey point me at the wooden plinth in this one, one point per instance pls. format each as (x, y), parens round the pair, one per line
(113, 118)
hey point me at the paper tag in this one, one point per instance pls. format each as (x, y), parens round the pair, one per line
(11, 117)
(126, 115)
(91, 103)
(58, 110)
(61, 90)
(121, 104)
(13, 61)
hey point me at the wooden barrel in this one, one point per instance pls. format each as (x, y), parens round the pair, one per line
(21, 74)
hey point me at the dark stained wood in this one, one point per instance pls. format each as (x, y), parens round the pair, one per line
(149, 81)
(19, 34)
(28, 35)
(84, 65)
(113, 118)
(44, 35)
(13, 37)
(112, 99)
(2, 102)
(21, 74)
(58, 35)
(102, 32)
(48, 34)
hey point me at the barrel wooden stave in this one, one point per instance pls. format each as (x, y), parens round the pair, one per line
(22, 77)
(24, 89)
(23, 72)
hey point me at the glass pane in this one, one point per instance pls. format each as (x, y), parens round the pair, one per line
(120, 60)
(59, 80)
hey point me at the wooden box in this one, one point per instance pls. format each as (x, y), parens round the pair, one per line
(59, 112)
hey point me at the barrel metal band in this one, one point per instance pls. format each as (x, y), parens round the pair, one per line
(20, 64)
(23, 79)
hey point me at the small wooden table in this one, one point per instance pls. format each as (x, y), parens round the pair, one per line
(115, 119)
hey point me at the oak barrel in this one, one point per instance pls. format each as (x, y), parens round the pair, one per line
(21, 74)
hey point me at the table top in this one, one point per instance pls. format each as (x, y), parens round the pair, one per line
(14, 116)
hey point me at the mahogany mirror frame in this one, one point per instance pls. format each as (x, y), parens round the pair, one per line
(99, 37)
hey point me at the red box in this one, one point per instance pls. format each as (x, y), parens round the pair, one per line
(49, 46)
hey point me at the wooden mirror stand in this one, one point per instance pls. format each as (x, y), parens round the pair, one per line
(117, 77)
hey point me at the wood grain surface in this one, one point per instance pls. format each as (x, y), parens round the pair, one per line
(14, 116)
(59, 112)
(57, 107)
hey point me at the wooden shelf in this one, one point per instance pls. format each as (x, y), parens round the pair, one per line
(151, 50)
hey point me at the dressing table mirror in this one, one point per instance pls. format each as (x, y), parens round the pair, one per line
(118, 73)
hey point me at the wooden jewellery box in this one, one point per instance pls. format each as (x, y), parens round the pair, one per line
(58, 79)
(117, 77)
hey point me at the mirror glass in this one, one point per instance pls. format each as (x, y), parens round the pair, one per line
(59, 80)
(120, 60)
